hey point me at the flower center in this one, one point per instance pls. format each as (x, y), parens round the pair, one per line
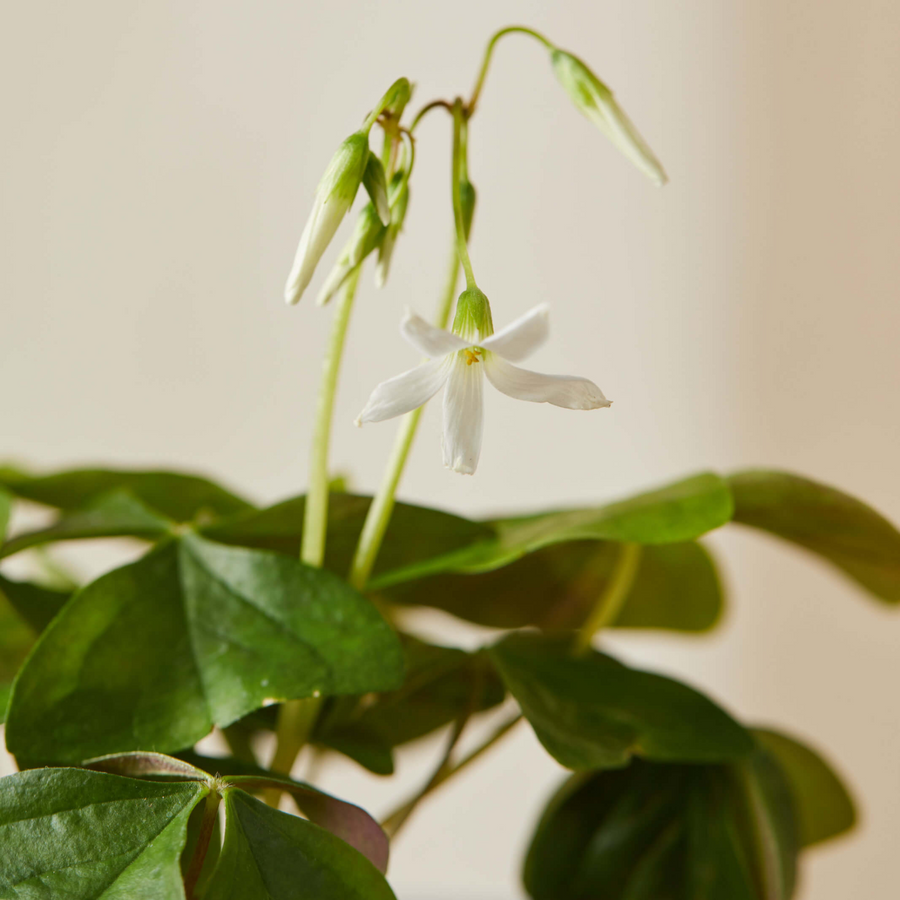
(473, 355)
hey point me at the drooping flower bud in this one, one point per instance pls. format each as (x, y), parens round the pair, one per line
(375, 183)
(367, 235)
(334, 197)
(399, 199)
(398, 95)
(473, 321)
(593, 98)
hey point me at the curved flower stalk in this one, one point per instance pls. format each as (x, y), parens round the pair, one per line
(459, 359)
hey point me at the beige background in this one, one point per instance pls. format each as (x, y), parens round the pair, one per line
(158, 163)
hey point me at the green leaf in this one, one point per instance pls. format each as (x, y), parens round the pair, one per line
(151, 655)
(667, 832)
(5, 510)
(555, 588)
(37, 605)
(179, 496)
(415, 533)
(269, 855)
(673, 514)
(76, 834)
(823, 804)
(442, 684)
(592, 712)
(837, 527)
(16, 640)
(116, 514)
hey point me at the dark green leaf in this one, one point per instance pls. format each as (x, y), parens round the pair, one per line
(269, 855)
(667, 832)
(441, 685)
(554, 588)
(5, 510)
(16, 639)
(153, 654)
(76, 834)
(116, 514)
(837, 527)
(415, 533)
(180, 497)
(673, 514)
(824, 806)
(592, 712)
(37, 605)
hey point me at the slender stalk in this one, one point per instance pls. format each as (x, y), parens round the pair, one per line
(379, 514)
(239, 744)
(461, 247)
(444, 773)
(207, 825)
(609, 604)
(315, 517)
(296, 720)
(488, 53)
(427, 108)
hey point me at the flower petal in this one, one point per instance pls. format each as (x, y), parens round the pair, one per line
(323, 221)
(568, 391)
(463, 416)
(522, 337)
(426, 338)
(404, 392)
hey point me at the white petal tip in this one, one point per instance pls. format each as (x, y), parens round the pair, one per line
(291, 297)
(460, 467)
(358, 421)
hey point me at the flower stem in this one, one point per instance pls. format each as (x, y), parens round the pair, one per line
(458, 170)
(379, 514)
(315, 516)
(207, 825)
(296, 720)
(609, 604)
(488, 53)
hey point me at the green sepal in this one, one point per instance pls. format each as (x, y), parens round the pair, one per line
(375, 182)
(473, 321)
(592, 712)
(195, 633)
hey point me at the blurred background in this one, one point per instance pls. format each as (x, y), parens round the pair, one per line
(158, 164)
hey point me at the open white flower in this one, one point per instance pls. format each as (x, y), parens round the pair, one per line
(460, 360)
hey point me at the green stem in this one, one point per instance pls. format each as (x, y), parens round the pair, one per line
(315, 516)
(610, 602)
(461, 247)
(427, 108)
(207, 825)
(238, 741)
(379, 514)
(488, 53)
(296, 720)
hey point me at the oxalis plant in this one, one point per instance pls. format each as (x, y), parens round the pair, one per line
(108, 687)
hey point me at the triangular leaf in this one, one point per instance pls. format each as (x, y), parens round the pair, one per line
(153, 654)
(833, 525)
(592, 712)
(82, 835)
(667, 832)
(676, 587)
(269, 855)
(823, 804)
(116, 514)
(179, 496)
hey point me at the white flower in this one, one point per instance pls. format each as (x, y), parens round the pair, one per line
(460, 361)
(334, 197)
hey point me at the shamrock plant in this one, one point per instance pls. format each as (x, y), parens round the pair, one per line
(106, 688)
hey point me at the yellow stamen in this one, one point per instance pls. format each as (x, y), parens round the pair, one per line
(472, 356)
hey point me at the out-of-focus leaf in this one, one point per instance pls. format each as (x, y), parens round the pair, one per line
(415, 532)
(16, 639)
(179, 496)
(151, 655)
(5, 510)
(555, 588)
(833, 525)
(656, 831)
(592, 712)
(82, 835)
(37, 605)
(669, 515)
(824, 806)
(268, 855)
(117, 514)
(442, 684)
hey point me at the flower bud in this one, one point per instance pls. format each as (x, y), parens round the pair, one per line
(367, 235)
(596, 101)
(375, 183)
(399, 198)
(398, 95)
(473, 320)
(334, 197)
